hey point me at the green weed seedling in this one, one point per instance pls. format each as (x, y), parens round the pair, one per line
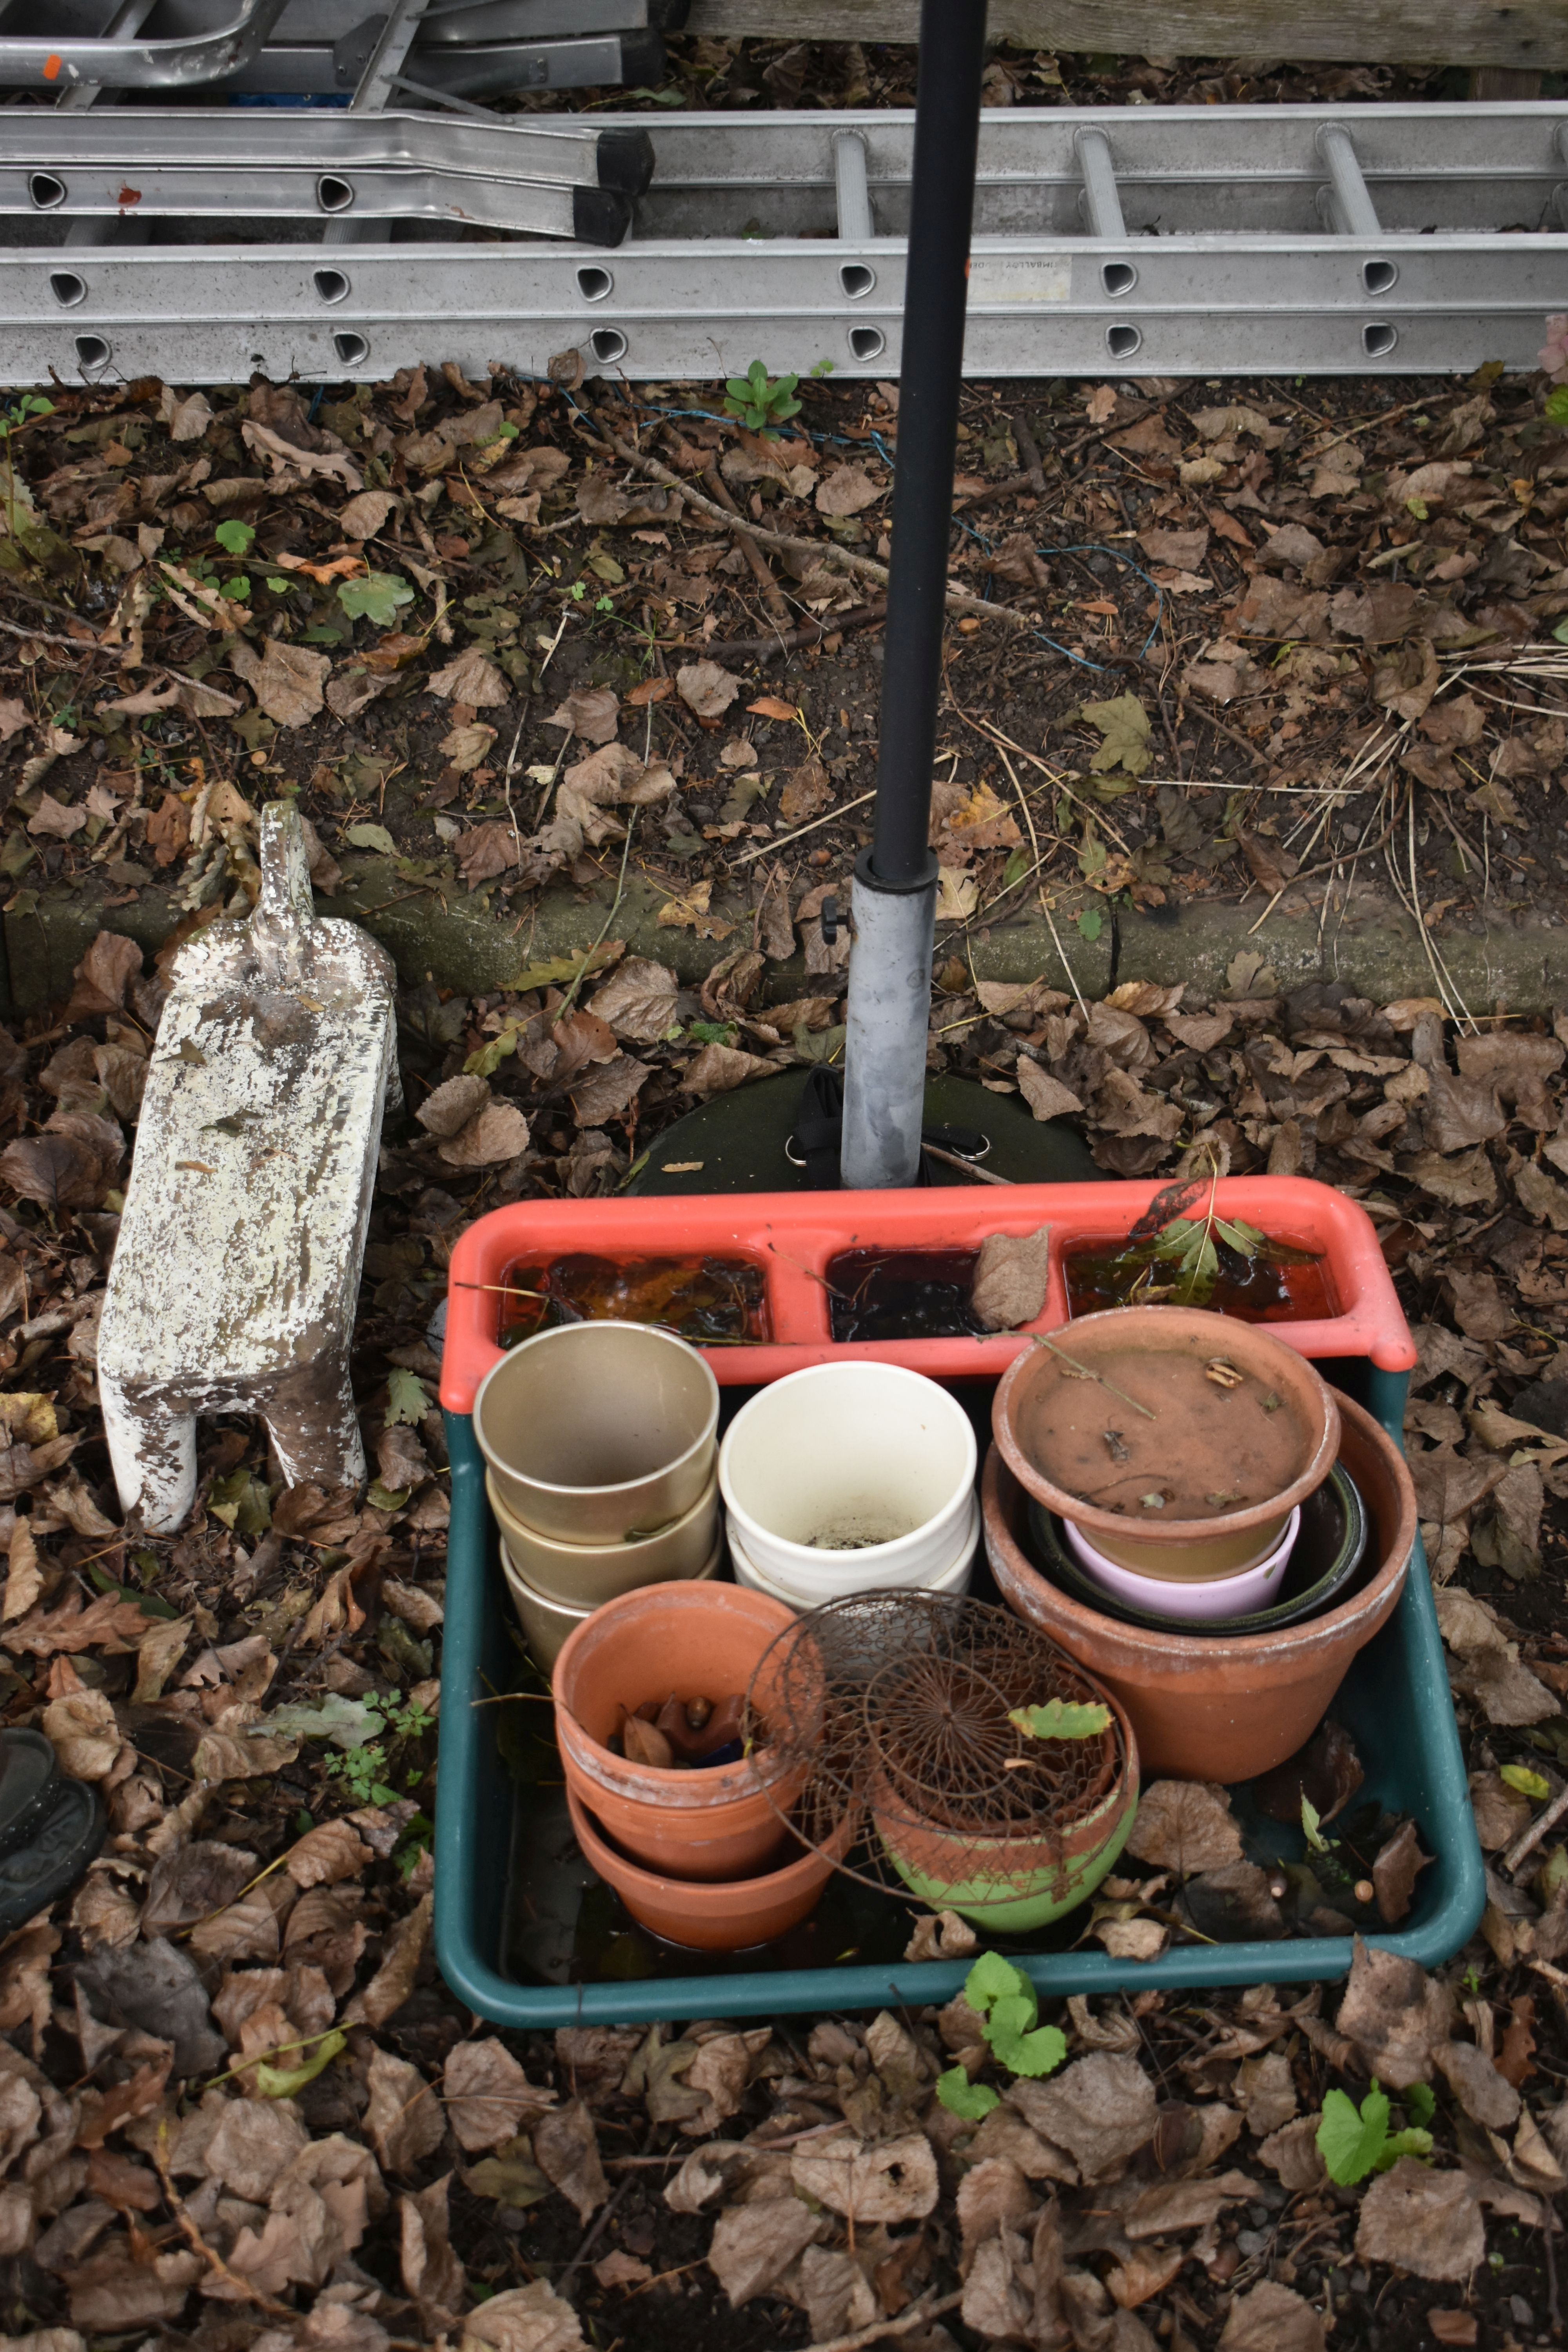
(1004, 1998)
(1353, 2141)
(762, 403)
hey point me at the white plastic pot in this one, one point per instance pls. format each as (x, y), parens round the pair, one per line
(1212, 1602)
(953, 1580)
(848, 1479)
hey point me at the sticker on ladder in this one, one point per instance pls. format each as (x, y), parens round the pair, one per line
(1022, 278)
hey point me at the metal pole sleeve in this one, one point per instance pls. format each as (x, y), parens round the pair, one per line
(947, 135)
(854, 222)
(885, 1046)
(1352, 193)
(1102, 201)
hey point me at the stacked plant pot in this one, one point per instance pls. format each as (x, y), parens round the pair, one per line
(1179, 1499)
(846, 1478)
(695, 1847)
(600, 1446)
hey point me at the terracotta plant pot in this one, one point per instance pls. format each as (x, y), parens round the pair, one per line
(691, 1641)
(1011, 1885)
(1198, 1485)
(1205, 1706)
(716, 1917)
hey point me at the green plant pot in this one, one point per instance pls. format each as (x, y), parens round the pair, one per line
(1014, 1884)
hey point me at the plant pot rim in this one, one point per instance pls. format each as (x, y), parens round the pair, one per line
(615, 1326)
(727, 1785)
(1123, 1783)
(1185, 1655)
(1176, 1324)
(811, 1558)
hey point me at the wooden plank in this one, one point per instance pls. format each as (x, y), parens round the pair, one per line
(1534, 33)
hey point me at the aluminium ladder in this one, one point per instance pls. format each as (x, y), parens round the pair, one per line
(1139, 240)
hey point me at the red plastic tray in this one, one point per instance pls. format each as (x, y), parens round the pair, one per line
(791, 1237)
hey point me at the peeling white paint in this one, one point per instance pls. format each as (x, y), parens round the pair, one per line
(238, 1266)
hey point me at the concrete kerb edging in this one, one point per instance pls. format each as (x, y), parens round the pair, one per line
(1517, 961)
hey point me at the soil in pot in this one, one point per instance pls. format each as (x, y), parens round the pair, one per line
(1216, 1704)
(1178, 1440)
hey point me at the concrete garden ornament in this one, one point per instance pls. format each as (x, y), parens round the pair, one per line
(236, 1273)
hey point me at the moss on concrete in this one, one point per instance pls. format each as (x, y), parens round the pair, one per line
(1518, 960)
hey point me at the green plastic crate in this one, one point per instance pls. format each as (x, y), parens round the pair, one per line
(1394, 1702)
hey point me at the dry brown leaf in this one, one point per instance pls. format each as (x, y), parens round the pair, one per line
(289, 681)
(1395, 2014)
(1186, 1825)
(637, 1000)
(488, 2097)
(330, 1852)
(532, 2318)
(706, 688)
(1101, 2109)
(1272, 2318)
(402, 2119)
(432, 2274)
(886, 2181)
(566, 2148)
(1427, 2223)
(362, 517)
(82, 1730)
(469, 678)
(847, 490)
(753, 2245)
(1010, 1277)
(394, 1979)
(592, 713)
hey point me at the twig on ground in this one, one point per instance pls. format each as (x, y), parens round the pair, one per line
(1541, 1826)
(570, 998)
(919, 2315)
(762, 571)
(789, 641)
(821, 550)
(1072, 976)
(953, 1159)
(240, 2288)
(766, 848)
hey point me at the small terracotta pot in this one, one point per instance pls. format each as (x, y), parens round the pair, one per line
(691, 1641)
(1205, 1706)
(714, 1917)
(1087, 1453)
(1024, 1883)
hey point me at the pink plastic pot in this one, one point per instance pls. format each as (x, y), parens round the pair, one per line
(1257, 1586)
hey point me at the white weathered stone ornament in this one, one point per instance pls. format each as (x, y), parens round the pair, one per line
(238, 1266)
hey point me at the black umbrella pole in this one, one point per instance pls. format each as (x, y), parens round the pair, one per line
(895, 881)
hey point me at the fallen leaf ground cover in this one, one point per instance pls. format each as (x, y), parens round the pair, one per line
(237, 2106)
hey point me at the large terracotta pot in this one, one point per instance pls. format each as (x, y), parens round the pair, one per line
(1167, 1431)
(1013, 1884)
(730, 1917)
(1206, 1708)
(689, 1641)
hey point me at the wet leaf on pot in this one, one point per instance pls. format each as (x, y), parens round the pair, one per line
(1398, 1865)
(1328, 1770)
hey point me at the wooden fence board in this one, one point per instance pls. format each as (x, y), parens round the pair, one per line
(1534, 33)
